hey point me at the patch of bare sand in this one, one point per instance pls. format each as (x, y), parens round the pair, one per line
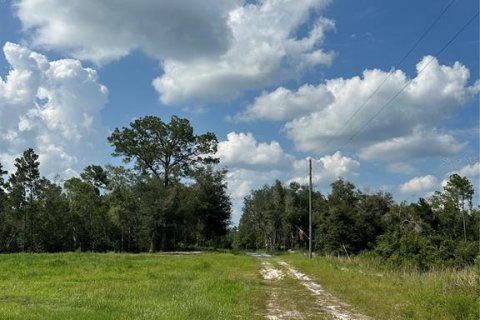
(270, 273)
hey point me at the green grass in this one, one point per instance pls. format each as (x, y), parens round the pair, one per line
(292, 299)
(124, 286)
(388, 294)
(218, 286)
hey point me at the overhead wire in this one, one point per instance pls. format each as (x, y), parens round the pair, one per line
(439, 52)
(396, 66)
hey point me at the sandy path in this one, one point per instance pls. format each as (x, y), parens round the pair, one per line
(330, 304)
(276, 308)
(294, 295)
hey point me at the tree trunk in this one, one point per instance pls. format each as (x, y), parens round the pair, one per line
(164, 239)
(25, 233)
(152, 243)
(121, 246)
(31, 222)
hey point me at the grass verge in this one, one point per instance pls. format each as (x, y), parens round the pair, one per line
(389, 294)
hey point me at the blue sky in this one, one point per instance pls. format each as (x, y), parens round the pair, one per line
(275, 80)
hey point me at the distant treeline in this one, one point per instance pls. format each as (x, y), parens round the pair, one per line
(172, 198)
(443, 230)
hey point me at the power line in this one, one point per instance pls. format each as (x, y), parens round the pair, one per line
(396, 66)
(411, 80)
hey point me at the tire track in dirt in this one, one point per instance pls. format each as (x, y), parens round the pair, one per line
(326, 301)
(276, 309)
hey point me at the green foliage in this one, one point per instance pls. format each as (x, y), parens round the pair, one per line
(164, 149)
(212, 205)
(272, 217)
(115, 208)
(55, 227)
(443, 231)
(23, 190)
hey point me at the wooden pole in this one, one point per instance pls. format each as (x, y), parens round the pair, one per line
(310, 213)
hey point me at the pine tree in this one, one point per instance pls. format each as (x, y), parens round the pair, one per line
(23, 186)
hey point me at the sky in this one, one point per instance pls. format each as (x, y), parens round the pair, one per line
(381, 93)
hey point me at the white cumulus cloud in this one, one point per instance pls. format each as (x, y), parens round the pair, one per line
(284, 104)
(419, 184)
(243, 149)
(252, 164)
(419, 144)
(264, 49)
(326, 169)
(208, 49)
(319, 113)
(470, 171)
(50, 106)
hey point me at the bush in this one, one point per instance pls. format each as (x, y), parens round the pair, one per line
(413, 250)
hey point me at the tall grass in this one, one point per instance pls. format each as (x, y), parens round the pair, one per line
(386, 293)
(126, 286)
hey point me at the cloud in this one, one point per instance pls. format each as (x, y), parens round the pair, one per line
(433, 95)
(420, 144)
(243, 150)
(419, 184)
(283, 104)
(252, 164)
(102, 31)
(264, 49)
(53, 107)
(326, 169)
(208, 49)
(470, 171)
(241, 182)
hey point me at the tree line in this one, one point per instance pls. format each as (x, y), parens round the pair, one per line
(442, 230)
(170, 196)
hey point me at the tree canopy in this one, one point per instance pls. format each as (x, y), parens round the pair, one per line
(164, 149)
(440, 230)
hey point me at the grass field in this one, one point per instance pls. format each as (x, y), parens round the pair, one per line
(217, 286)
(124, 286)
(388, 294)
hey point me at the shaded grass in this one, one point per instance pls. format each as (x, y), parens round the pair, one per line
(123, 286)
(389, 294)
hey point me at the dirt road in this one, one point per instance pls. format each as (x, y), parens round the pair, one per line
(294, 295)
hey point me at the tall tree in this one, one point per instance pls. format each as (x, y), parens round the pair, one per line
(23, 185)
(54, 225)
(3, 214)
(2, 190)
(460, 191)
(96, 176)
(338, 227)
(164, 149)
(213, 206)
(85, 206)
(124, 208)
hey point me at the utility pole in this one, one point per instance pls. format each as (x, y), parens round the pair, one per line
(310, 213)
